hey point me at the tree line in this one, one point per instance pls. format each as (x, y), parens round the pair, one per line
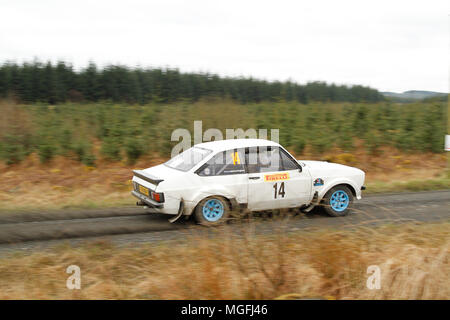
(60, 82)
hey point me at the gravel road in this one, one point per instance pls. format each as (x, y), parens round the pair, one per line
(28, 230)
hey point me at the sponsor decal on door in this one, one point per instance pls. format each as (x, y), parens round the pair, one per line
(276, 177)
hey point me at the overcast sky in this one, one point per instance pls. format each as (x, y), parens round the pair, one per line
(388, 45)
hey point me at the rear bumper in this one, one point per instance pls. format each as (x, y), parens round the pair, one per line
(149, 202)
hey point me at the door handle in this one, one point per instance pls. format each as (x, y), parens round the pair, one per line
(253, 178)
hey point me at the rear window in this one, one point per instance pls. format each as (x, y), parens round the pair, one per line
(188, 159)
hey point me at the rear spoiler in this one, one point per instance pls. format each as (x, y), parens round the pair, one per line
(147, 177)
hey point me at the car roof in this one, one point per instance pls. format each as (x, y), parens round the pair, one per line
(223, 145)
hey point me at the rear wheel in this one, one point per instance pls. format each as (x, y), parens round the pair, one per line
(212, 211)
(337, 201)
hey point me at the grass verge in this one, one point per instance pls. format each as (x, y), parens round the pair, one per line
(333, 264)
(408, 185)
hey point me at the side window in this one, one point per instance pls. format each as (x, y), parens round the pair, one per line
(287, 162)
(251, 158)
(269, 159)
(263, 159)
(225, 163)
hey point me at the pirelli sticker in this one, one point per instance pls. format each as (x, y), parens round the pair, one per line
(276, 177)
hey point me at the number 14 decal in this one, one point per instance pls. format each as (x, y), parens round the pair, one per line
(279, 191)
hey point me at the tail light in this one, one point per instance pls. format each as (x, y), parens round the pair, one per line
(158, 197)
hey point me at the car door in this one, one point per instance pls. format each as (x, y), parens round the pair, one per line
(225, 174)
(275, 180)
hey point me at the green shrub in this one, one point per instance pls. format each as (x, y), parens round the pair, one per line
(373, 142)
(80, 149)
(46, 150)
(299, 145)
(65, 141)
(320, 144)
(89, 159)
(133, 149)
(11, 149)
(83, 151)
(111, 149)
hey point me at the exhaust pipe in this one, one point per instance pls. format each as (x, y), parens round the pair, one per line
(140, 203)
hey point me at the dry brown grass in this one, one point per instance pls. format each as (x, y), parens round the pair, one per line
(414, 262)
(388, 165)
(64, 182)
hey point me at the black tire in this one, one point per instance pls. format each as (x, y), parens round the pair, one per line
(335, 206)
(203, 219)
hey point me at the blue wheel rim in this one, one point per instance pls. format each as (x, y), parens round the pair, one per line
(213, 210)
(339, 201)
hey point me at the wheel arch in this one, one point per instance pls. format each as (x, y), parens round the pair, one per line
(352, 189)
(346, 184)
(199, 214)
(232, 203)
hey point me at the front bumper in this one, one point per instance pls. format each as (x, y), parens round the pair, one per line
(149, 202)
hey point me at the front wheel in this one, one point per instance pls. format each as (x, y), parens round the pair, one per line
(337, 201)
(212, 211)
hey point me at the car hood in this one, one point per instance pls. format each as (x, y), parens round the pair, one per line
(323, 168)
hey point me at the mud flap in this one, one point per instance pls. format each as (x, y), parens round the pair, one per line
(313, 203)
(180, 212)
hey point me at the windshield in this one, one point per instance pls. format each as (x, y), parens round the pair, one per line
(186, 160)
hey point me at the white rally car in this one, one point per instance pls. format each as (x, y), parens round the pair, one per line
(211, 179)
